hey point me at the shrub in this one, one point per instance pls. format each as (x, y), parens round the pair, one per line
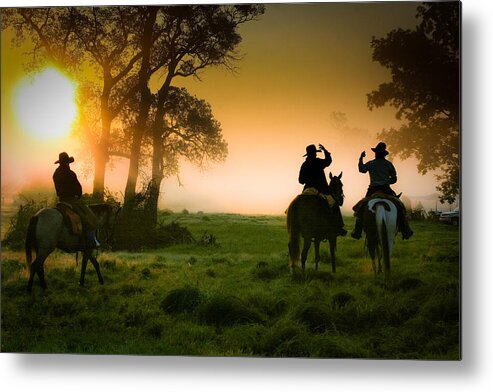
(16, 233)
(172, 234)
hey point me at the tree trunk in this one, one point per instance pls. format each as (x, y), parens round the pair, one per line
(157, 166)
(157, 145)
(101, 154)
(145, 104)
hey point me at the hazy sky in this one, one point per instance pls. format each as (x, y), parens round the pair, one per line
(301, 64)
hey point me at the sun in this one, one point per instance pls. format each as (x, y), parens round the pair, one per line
(44, 104)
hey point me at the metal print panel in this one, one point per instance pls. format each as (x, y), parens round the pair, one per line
(278, 180)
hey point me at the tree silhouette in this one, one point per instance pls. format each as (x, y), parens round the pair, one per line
(425, 89)
(189, 132)
(74, 38)
(191, 39)
(125, 47)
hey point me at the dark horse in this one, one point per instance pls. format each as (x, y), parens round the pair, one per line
(309, 217)
(48, 231)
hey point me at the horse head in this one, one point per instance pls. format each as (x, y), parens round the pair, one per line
(335, 188)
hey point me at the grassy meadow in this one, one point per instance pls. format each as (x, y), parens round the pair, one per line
(230, 293)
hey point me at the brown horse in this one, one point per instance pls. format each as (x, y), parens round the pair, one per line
(47, 231)
(311, 217)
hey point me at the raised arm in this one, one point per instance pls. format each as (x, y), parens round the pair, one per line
(361, 166)
(327, 157)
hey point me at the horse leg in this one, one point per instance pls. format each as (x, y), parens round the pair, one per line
(317, 253)
(371, 250)
(332, 245)
(37, 267)
(32, 271)
(96, 267)
(85, 258)
(304, 253)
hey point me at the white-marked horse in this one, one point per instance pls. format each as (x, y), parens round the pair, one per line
(380, 223)
(47, 231)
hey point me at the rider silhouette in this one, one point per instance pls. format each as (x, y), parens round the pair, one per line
(382, 175)
(312, 175)
(69, 191)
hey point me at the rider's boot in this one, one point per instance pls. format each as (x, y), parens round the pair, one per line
(358, 228)
(406, 230)
(91, 240)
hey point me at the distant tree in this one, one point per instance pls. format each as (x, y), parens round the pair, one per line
(425, 89)
(188, 132)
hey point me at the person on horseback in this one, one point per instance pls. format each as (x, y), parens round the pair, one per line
(382, 175)
(312, 175)
(69, 191)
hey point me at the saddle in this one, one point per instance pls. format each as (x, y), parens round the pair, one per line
(71, 219)
(314, 192)
(381, 195)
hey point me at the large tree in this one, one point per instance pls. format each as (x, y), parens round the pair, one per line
(107, 40)
(193, 38)
(425, 89)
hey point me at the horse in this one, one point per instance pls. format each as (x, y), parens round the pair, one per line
(380, 225)
(308, 216)
(48, 231)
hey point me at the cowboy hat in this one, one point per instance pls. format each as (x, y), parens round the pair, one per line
(381, 148)
(311, 150)
(64, 158)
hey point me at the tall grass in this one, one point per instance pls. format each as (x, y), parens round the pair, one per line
(238, 298)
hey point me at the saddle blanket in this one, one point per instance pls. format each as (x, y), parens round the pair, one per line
(315, 192)
(75, 222)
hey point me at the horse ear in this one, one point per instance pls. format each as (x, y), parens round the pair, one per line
(340, 175)
(330, 175)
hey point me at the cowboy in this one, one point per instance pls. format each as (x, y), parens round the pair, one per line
(312, 175)
(382, 175)
(69, 191)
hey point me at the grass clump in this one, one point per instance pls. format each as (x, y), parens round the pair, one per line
(317, 317)
(184, 299)
(224, 311)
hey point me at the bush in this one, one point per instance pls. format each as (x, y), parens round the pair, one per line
(16, 233)
(173, 234)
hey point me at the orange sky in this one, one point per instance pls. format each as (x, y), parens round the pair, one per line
(301, 64)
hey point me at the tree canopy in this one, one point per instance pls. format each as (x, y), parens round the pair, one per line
(425, 89)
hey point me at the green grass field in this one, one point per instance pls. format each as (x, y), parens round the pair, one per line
(238, 298)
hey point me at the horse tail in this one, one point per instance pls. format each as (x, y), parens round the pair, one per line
(293, 234)
(385, 250)
(385, 214)
(31, 240)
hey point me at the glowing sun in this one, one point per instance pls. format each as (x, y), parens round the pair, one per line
(45, 104)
